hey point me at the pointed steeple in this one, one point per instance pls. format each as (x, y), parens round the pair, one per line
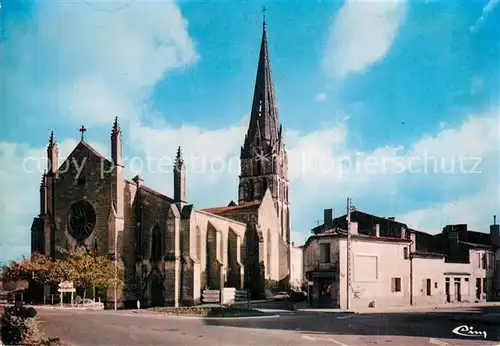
(116, 143)
(116, 128)
(264, 125)
(179, 178)
(52, 154)
(179, 161)
(52, 139)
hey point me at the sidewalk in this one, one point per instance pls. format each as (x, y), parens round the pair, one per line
(415, 308)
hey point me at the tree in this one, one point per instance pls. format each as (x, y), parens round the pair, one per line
(86, 270)
(38, 268)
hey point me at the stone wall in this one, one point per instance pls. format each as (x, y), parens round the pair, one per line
(96, 189)
(213, 261)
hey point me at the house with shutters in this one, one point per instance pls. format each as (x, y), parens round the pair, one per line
(386, 263)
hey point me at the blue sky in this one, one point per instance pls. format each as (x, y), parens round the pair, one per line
(380, 81)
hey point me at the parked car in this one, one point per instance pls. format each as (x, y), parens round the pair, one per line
(281, 296)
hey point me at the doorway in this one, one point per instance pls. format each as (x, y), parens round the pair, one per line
(458, 297)
(478, 288)
(447, 290)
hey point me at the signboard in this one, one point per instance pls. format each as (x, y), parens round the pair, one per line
(211, 296)
(66, 285)
(66, 290)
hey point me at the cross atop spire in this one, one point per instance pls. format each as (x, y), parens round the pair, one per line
(82, 130)
(264, 9)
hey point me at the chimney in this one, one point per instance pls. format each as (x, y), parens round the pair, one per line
(377, 230)
(453, 242)
(293, 244)
(495, 232)
(328, 218)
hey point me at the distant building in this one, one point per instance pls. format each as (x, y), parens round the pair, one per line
(296, 267)
(393, 265)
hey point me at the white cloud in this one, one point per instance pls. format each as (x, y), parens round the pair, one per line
(321, 97)
(314, 185)
(484, 14)
(476, 211)
(80, 62)
(97, 77)
(361, 34)
(99, 59)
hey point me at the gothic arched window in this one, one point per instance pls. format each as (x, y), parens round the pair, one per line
(156, 248)
(221, 247)
(257, 168)
(170, 241)
(198, 242)
(258, 189)
(250, 189)
(269, 249)
(242, 191)
(264, 186)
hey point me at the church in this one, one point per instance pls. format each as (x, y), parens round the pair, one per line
(168, 250)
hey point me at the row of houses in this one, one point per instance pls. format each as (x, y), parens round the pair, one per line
(391, 264)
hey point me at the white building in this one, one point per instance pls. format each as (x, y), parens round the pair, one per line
(392, 265)
(296, 267)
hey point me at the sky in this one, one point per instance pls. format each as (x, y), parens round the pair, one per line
(394, 104)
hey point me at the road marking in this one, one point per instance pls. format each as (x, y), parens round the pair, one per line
(438, 342)
(310, 338)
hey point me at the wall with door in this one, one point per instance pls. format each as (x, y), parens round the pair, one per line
(428, 287)
(380, 273)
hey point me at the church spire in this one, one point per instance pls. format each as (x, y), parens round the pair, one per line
(52, 154)
(116, 143)
(264, 125)
(179, 178)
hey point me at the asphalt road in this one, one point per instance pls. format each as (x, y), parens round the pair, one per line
(408, 328)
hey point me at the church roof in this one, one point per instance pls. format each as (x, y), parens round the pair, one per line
(151, 191)
(94, 151)
(251, 206)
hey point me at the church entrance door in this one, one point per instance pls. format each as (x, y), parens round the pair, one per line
(157, 298)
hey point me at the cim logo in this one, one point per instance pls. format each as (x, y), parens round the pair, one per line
(469, 332)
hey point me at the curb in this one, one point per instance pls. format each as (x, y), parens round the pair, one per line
(208, 318)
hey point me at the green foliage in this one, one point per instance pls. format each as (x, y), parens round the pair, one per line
(38, 268)
(20, 326)
(87, 270)
(81, 268)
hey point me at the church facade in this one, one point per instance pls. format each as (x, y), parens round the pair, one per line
(168, 250)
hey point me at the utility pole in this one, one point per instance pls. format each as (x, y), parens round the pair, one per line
(348, 295)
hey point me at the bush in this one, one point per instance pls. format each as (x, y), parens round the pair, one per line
(20, 326)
